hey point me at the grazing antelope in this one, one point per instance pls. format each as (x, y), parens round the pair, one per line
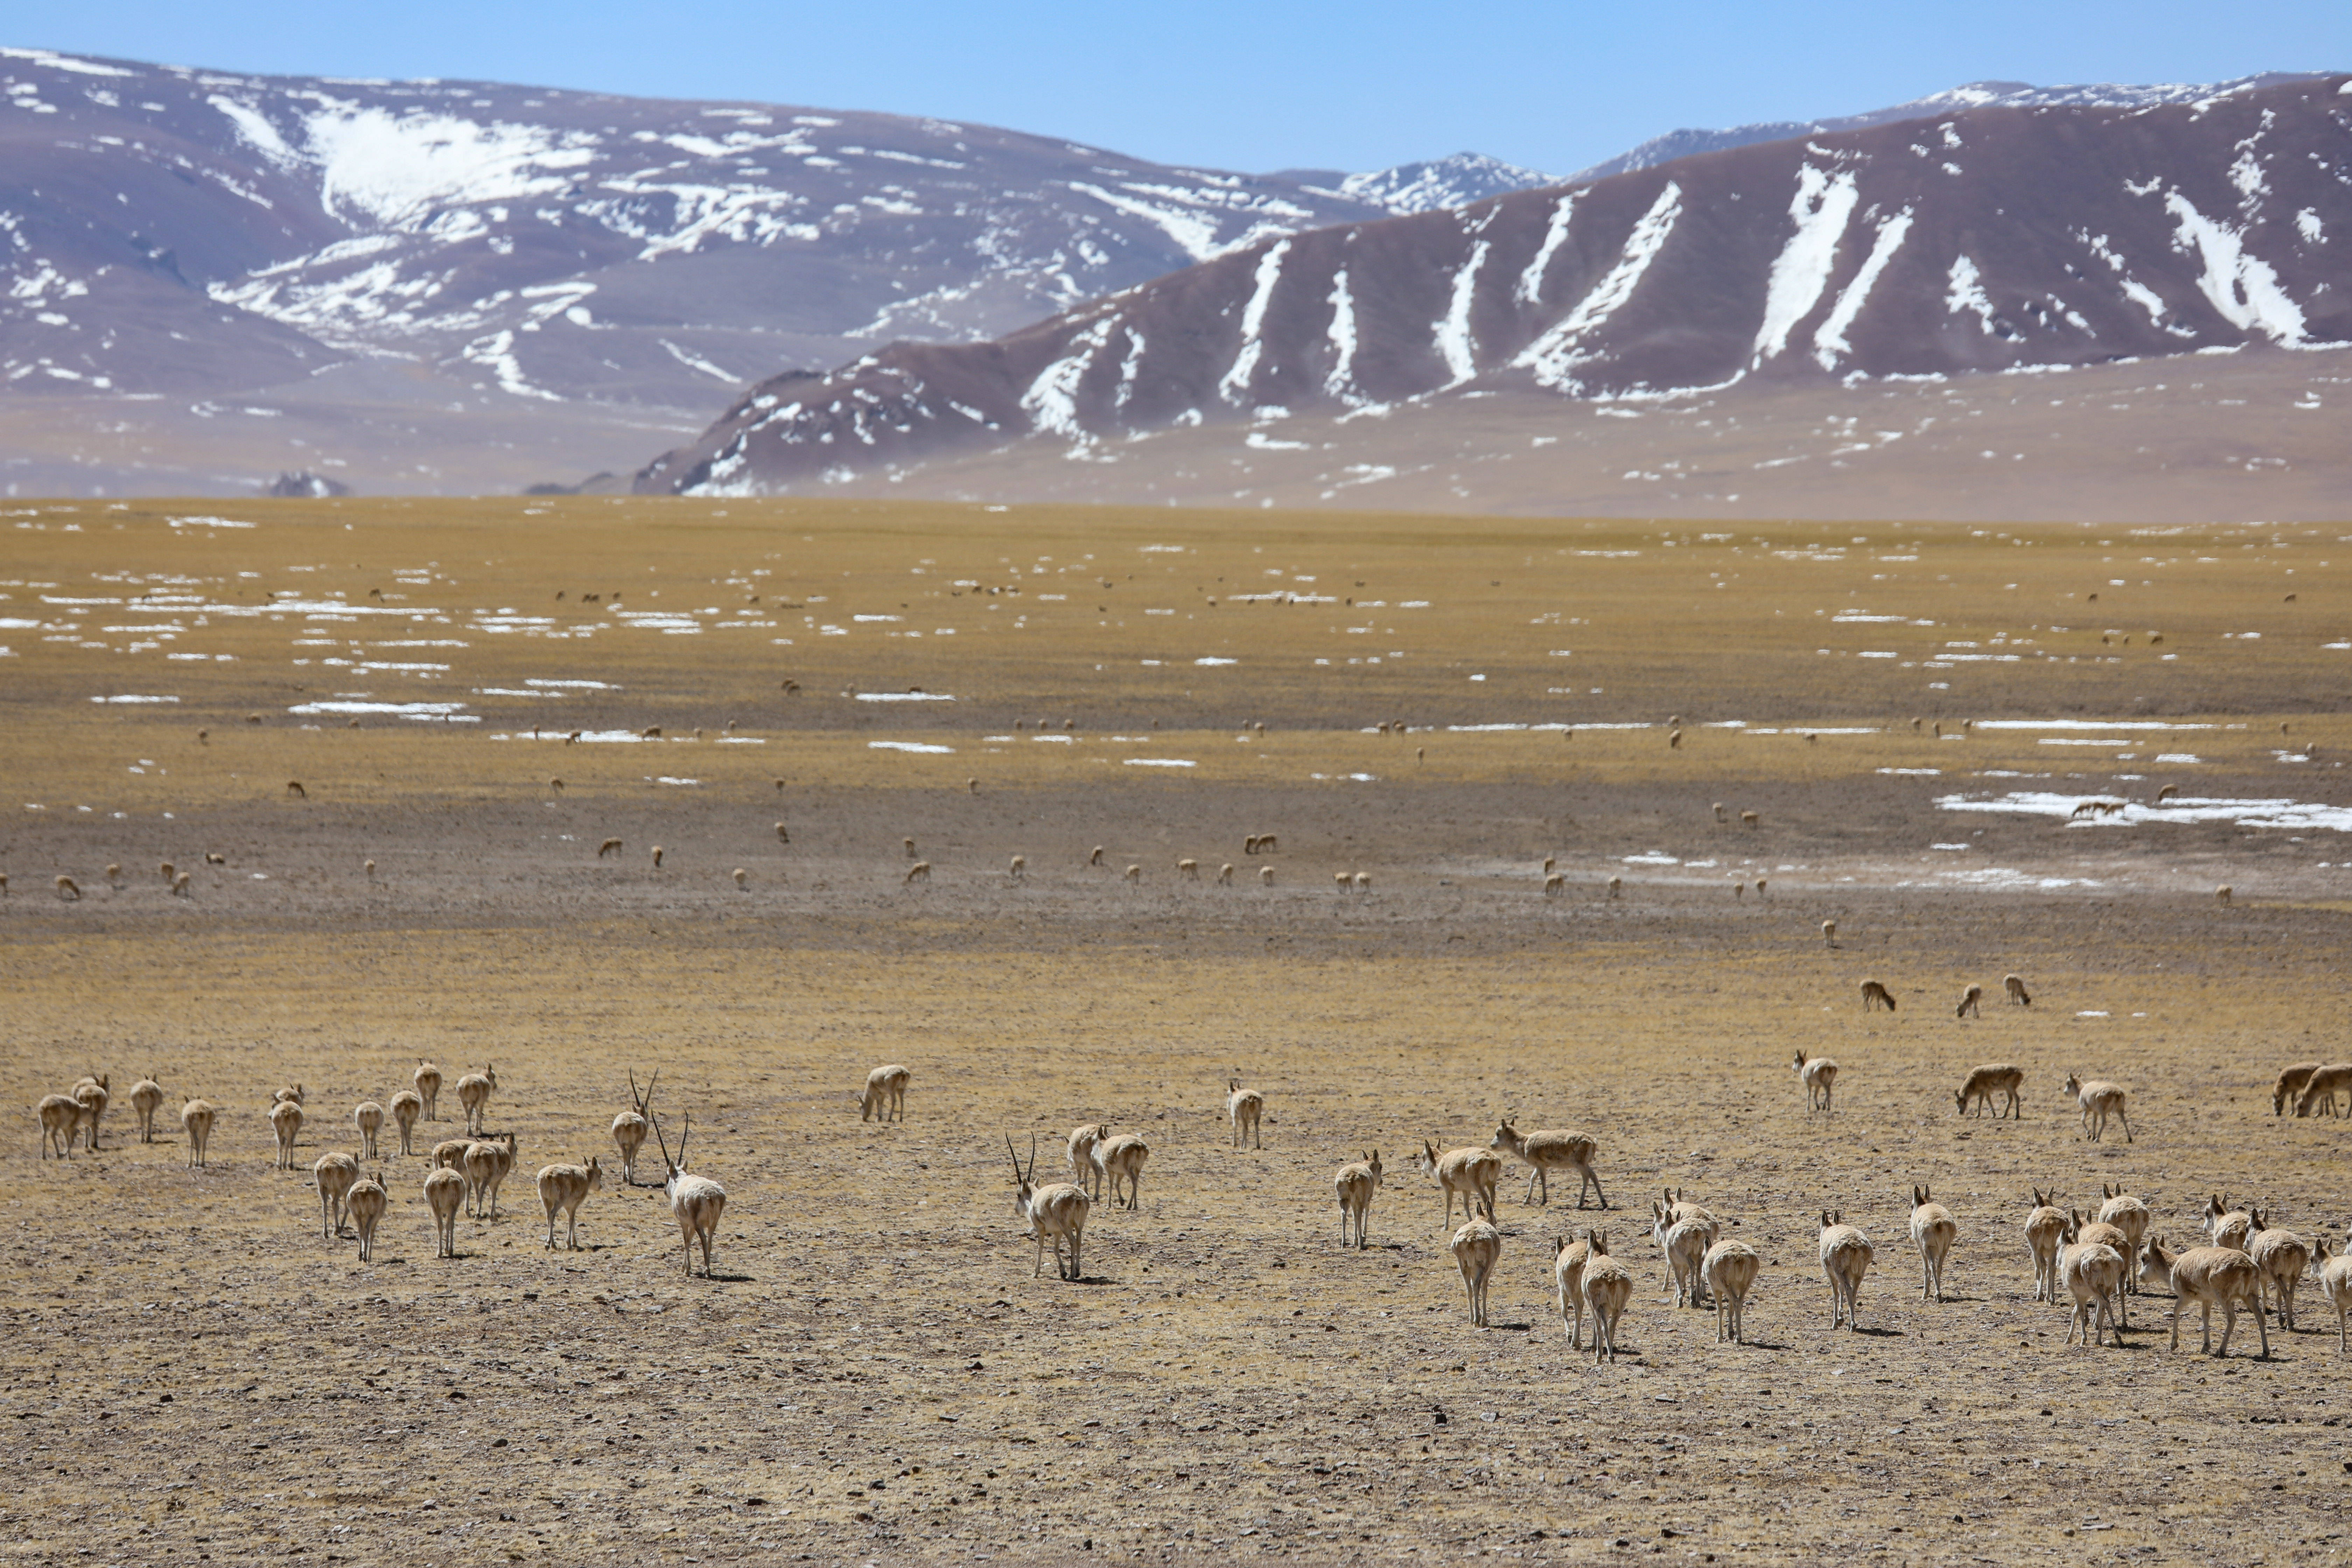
(1081, 1151)
(2098, 1099)
(1055, 1212)
(366, 1202)
(2046, 1233)
(1818, 1075)
(1020, 867)
(286, 1121)
(1846, 1256)
(445, 1193)
(1226, 874)
(696, 1200)
(1121, 1159)
(2335, 1284)
(1933, 1231)
(473, 1093)
(2225, 1225)
(884, 1099)
(406, 1106)
(1470, 1174)
(2289, 1085)
(1568, 1259)
(91, 1094)
(1616, 887)
(1875, 995)
(2211, 1277)
(1608, 1286)
(1729, 1269)
(1829, 939)
(2093, 1273)
(1243, 1108)
(2323, 1086)
(1545, 1152)
(1097, 858)
(2014, 986)
(1686, 1245)
(919, 871)
(1478, 1247)
(335, 1174)
(1969, 1000)
(2281, 1256)
(146, 1099)
(562, 1190)
(1984, 1082)
(1188, 868)
(609, 847)
(629, 1127)
(428, 1088)
(196, 1117)
(368, 1116)
(68, 889)
(60, 1124)
(1354, 1187)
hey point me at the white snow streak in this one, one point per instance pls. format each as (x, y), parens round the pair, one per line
(256, 132)
(1555, 356)
(398, 171)
(1964, 290)
(1052, 400)
(1454, 345)
(1531, 289)
(1822, 207)
(2241, 287)
(2307, 224)
(1234, 387)
(1340, 384)
(1829, 343)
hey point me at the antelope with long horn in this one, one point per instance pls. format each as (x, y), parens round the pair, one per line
(1056, 1211)
(629, 1127)
(697, 1201)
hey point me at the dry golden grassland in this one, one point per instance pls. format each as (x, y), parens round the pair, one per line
(195, 1374)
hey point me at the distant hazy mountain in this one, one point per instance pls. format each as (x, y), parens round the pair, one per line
(1983, 237)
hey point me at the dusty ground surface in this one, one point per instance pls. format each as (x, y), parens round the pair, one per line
(195, 1374)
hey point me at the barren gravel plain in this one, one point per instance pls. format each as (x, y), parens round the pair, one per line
(194, 1373)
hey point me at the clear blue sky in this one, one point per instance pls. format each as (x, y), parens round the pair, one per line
(1256, 86)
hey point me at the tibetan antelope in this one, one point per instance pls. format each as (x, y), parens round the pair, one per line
(2335, 1284)
(2098, 1099)
(60, 1124)
(1608, 1286)
(2014, 986)
(562, 1190)
(2098, 1233)
(474, 1094)
(1055, 1212)
(1729, 1269)
(1819, 1075)
(335, 1174)
(366, 1202)
(406, 1106)
(1355, 1185)
(1548, 1151)
(1970, 1000)
(367, 1116)
(2226, 1224)
(197, 1116)
(884, 1099)
(1243, 1108)
(1478, 1247)
(1983, 1083)
(1469, 1174)
(2289, 1085)
(696, 1200)
(1083, 1169)
(1568, 1259)
(629, 1127)
(1686, 1244)
(1846, 1256)
(428, 1088)
(2093, 1273)
(2046, 1233)
(146, 1099)
(1874, 993)
(1121, 1159)
(2281, 1256)
(487, 1165)
(2211, 1277)
(2130, 1216)
(445, 1193)
(286, 1121)
(2322, 1087)
(1933, 1231)
(90, 1093)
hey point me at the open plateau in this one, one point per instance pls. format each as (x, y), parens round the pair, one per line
(1415, 828)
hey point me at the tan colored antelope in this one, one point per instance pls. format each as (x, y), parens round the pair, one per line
(1846, 1256)
(1083, 1169)
(1121, 1159)
(1243, 1107)
(1547, 1151)
(2014, 986)
(884, 1099)
(2211, 1277)
(366, 1202)
(2098, 1233)
(1188, 868)
(406, 1106)
(1729, 1269)
(1568, 1258)
(1607, 1287)
(2335, 1284)
(196, 1118)
(286, 1121)
(1829, 939)
(1933, 1231)
(474, 1095)
(2130, 1216)
(1983, 1083)
(2290, 1086)
(1354, 1187)
(562, 1190)
(501, 1166)
(1874, 993)
(1467, 1173)
(1819, 1075)
(695, 1201)
(449, 1154)
(921, 871)
(1478, 1247)
(90, 1093)
(334, 1174)
(1686, 1245)
(2046, 1233)
(2281, 1256)
(2098, 1099)
(367, 1116)
(2093, 1273)
(1055, 1212)
(1971, 1002)
(60, 1125)
(629, 1128)
(2322, 1087)
(445, 1193)
(1226, 874)
(428, 1088)
(2227, 1224)
(146, 1099)
(1674, 1209)
(292, 1091)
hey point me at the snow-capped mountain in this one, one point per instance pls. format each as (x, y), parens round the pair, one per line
(1687, 143)
(1452, 182)
(1982, 238)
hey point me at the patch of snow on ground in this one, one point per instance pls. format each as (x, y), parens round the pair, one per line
(1830, 343)
(1160, 763)
(1531, 288)
(1821, 210)
(2240, 285)
(2275, 814)
(1556, 354)
(1964, 290)
(910, 746)
(1455, 345)
(1234, 386)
